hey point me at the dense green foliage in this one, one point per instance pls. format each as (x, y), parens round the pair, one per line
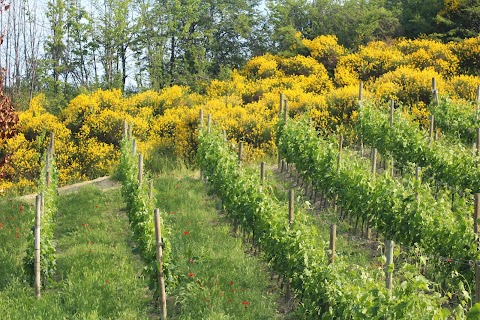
(47, 225)
(458, 120)
(335, 291)
(451, 164)
(140, 214)
(400, 209)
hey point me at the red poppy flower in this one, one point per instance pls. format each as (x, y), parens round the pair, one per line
(191, 274)
(231, 282)
(186, 232)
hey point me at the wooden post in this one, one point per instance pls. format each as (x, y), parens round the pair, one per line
(48, 177)
(285, 110)
(140, 169)
(240, 152)
(291, 200)
(224, 134)
(374, 162)
(360, 92)
(477, 102)
(42, 204)
(209, 122)
(201, 119)
(340, 148)
(282, 98)
(129, 133)
(333, 241)
(134, 146)
(37, 246)
(478, 141)
(51, 145)
(392, 109)
(362, 148)
(389, 266)
(262, 173)
(432, 124)
(161, 276)
(125, 129)
(434, 84)
(150, 190)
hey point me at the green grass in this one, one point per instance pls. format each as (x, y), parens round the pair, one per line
(98, 276)
(217, 278)
(16, 219)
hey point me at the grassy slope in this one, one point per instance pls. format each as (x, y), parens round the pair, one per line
(98, 276)
(216, 279)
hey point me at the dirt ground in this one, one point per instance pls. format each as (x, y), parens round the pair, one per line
(103, 183)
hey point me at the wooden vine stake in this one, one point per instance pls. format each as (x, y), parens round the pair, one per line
(134, 146)
(432, 125)
(478, 141)
(150, 190)
(48, 177)
(389, 266)
(285, 110)
(360, 92)
(161, 276)
(51, 145)
(339, 162)
(42, 204)
(240, 152)
(374, 162)
(262, 173)
(392, 109)
(282, 98)
(340, 149)
(434, 91)
(37, 246)
(140, 169)
(333, 241)
(209, 123)
(200, 125)
(291, 200)
(125, 129)
(477, 102)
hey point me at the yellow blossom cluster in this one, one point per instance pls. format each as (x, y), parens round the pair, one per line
(324, 84)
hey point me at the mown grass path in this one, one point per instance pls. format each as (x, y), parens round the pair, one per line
(216, 278)
(98, 276)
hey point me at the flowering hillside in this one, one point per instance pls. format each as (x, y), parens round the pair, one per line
(323, 82)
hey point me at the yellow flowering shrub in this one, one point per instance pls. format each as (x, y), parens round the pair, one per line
(425, 53)
(36, 124)
(326, 50)
(97, 158)
(371, 61)
(261, 67)
(246, 105)
(342, 104)
(407, 85)
(468, 53)
(463, 87)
